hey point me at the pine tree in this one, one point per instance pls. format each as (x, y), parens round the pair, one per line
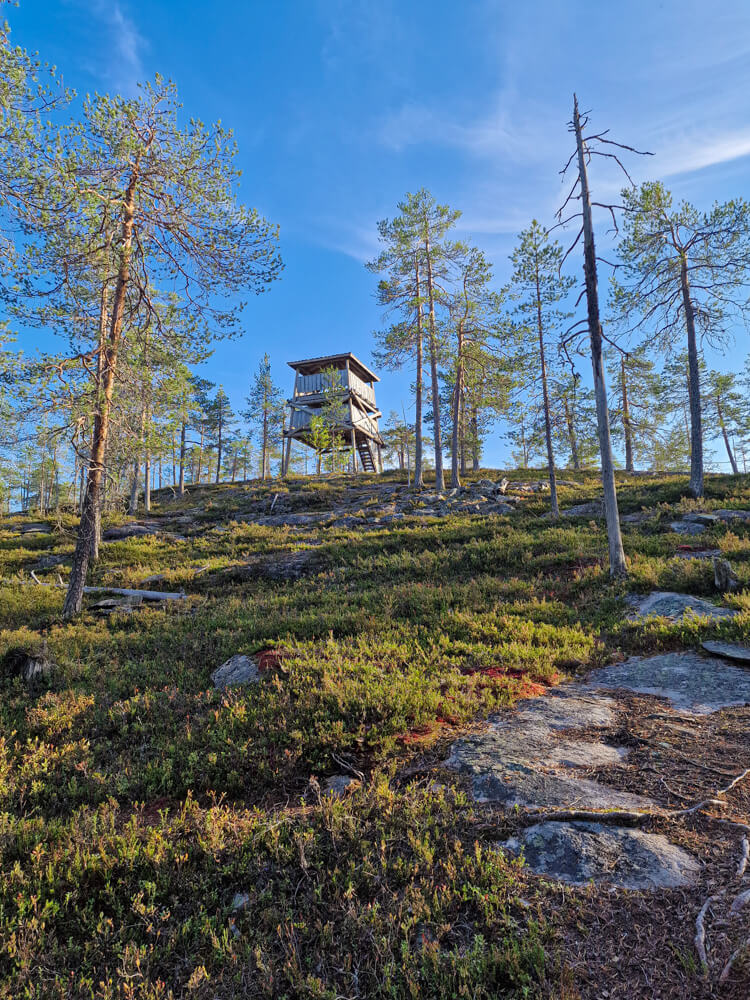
(538, 288)
(683, 274)
(265, 411)
(134, 200)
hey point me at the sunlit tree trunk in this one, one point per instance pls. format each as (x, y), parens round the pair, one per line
(617, 563)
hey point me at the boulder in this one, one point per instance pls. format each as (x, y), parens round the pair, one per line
(238, 669)
(728, 650)
(121, 531)
(593, 509)
(732, 515)
(36, 528)
(725, 578)
(580, 853)
(700, 517)
(687, 528)
(666, 604)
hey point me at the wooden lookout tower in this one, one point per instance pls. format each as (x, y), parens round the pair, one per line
(356, 427)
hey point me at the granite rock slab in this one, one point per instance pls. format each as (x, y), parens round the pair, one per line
(582, 853)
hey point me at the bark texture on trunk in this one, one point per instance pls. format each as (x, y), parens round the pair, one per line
(617, 564)
(418, 471)
(694, 387)
(457, 394)
(88, 528)
(572, 438)
(626, 424)
(439, 478)
(722, 425)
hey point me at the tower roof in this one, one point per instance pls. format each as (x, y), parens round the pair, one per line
(310, 366)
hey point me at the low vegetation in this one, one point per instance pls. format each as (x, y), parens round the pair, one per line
(163, 839)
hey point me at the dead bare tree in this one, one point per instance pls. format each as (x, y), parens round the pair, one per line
(588, 146)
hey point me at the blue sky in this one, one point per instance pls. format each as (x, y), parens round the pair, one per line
(341, 106)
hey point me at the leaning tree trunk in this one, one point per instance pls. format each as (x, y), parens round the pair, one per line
(722, 425)
(439, 477)
(554, 506)
(626, 421)
(87, 530)
(418, 473)
(696, 416)
(617, 564)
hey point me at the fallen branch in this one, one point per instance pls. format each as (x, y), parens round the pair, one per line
(739, 902)
(700, 934)
(732, 959)
(741, 868)
(147, 595)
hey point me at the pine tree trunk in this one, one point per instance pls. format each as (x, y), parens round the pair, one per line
(200, 456)
(88, 529)
(439, 477)
(722, 425)
(572, 438)
(218, 452)
(181, 486)
(617, 564)
(474, 440)
(626, 424)
(554, 506)
(457, 393)
(265, 440)
(696, 416)
(462, 431)
(147, 482)
(418, 473)
(133, 504)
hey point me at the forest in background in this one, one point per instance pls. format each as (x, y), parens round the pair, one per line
(123, 237)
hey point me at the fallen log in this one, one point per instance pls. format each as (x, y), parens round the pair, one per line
(146, 595)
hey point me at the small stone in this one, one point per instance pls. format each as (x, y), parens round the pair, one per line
(503, 485)
(238, 669)
(339, 785)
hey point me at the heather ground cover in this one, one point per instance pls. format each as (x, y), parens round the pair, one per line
(164, 839)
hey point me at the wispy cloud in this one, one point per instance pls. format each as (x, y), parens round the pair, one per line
(120, 63)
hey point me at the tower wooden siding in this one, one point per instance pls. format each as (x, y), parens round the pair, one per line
(358, 429)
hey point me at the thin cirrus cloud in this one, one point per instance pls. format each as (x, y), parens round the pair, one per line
(122, 45)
